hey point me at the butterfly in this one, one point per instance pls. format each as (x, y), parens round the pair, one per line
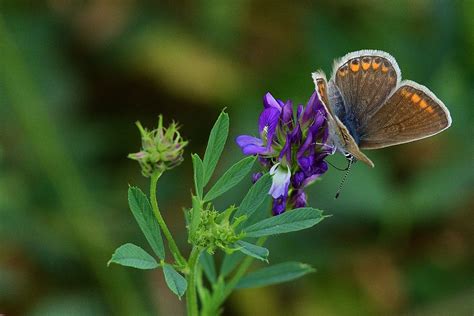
(370, 107)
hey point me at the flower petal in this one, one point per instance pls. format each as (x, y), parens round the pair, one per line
(286, 151)
(299, 111)
(256, 176)
(307, 145)
(268, 119)
(318, 171)
(245, 140)
(250, 145)
(270, 102)
(297, 179)
(296, 134)
(281, 177)
(314, 105)
(298, 199)
(268, 123)
(279, 205)
(287, 113)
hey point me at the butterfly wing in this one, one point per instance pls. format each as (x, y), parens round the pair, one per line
(338, 133)
(364, 79)
(410, 113)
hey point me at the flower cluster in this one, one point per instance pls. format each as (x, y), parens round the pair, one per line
(162, 148)
(215, 230)
(292, 147)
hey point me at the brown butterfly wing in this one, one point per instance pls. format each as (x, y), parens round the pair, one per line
(412, 112)
(365, 79)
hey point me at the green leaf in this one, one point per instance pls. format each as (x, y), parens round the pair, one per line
(255, 197)
(143, 213)
(198, 174)
(133, 256)
(215, 145)
(297, 219)
(252, 250)
(278, 273)
(175, 281)
(230, 178)
(230, 262)
(195, 216)
(209, 267)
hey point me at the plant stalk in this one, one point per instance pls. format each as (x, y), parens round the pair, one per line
(156, 211)
(191, 297)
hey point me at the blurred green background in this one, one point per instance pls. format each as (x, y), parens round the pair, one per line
(76, 75)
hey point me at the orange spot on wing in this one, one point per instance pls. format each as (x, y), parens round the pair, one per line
(415, 98)
(365, 65)
(384, 68)
(355, 67)
(405, 93)
(375, 65)
(430, 109)
(343, 70)
(423, 104)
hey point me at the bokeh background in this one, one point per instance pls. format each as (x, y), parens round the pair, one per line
(76, 75)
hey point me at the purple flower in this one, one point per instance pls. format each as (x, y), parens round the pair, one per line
(281, 177)
(270, 102)
(291, 148)
(298, 199)
(256, 176)
(279, 205)
(267, 124)
(250, 145)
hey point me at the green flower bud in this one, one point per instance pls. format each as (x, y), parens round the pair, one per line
(216, 231)
(162, 148)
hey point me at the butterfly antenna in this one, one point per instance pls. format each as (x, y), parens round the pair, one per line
(350, 161)
(335, 167)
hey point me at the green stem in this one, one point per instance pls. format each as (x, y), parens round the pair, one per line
(156, 211)
(191, 297)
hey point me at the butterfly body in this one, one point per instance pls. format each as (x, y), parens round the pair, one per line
(370, 107)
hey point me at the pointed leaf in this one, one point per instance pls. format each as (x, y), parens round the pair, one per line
(143, 213)
(290, 221)
(252, 250)
(230, 262)
(198, 175)
(209, 267)
(175, 281)
(231, 178)
(215, 145)
(255, 197)
(133, 256)
(278, 273)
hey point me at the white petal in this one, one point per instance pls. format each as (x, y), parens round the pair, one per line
(281, 179)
